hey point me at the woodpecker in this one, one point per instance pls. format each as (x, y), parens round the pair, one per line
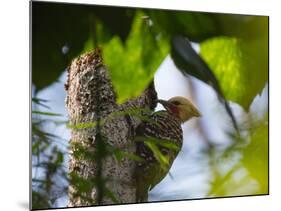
(162, 125)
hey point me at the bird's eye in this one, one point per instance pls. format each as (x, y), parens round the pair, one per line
(176, 102)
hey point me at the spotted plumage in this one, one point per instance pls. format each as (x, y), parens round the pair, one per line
(162, 126)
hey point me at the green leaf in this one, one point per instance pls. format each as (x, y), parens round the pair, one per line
(242, 26)
(41, 102)
(46, 113)
(135, 62)
(35, 147)
(89, 45)
(82, 184)
(242, 168)
(38, 180)
(255, 156)
(82, 125)
(110, 195)
(164, 162)
(59, 157)
(40, 200)
(136, 112)
(153, 144)
(81, 152)
(119, 154)
(241, 66)
(161, 142)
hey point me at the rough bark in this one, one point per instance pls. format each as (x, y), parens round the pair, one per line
(91, 98)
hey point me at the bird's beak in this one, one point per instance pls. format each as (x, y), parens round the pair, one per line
(196, 112)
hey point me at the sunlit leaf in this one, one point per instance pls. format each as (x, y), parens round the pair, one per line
(240, 66)
(135, 62)
(243, 169)
(255, 156)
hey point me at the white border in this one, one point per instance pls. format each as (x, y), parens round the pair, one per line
(14, 104)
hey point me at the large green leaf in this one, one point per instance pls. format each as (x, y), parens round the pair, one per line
(133, 64)
(255, 156)
(240, 66)
(243, 26)
(242, 168)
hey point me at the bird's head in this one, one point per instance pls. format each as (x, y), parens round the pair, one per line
(180, 107)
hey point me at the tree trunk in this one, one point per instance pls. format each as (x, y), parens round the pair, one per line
(96, 176)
